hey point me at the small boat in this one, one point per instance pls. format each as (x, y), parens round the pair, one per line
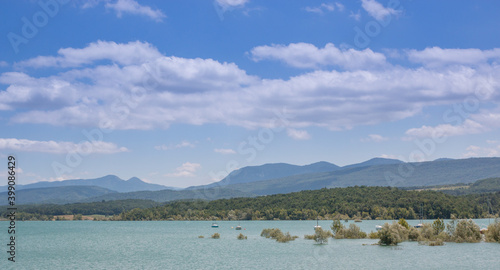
(238, 227)
(317, 225)
(215, 225)
(357, 220)
(418, 225)
(483, 230)
(378, 227)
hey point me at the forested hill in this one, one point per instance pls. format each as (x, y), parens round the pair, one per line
(356, 202)
(352, 202)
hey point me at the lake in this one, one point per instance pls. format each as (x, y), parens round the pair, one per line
(175, 245)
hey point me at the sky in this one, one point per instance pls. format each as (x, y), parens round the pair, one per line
(181, 93)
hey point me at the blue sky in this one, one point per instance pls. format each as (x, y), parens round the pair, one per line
(180, 93)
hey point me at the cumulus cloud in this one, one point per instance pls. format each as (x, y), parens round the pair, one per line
(305, 55)
(297, 134)
(436, 56)
(356, 16)
(154, 91)
(374, 138)
(130, 6)
(126, 7)
(187, 169)
(53, 147)
(224, 151)
(324, 7)
(182, 144)
(477, 151)
(124, 54)
(476, 123)
(231, 3)
(377, 10)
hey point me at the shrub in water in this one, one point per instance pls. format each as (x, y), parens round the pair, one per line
(373, 235)
(321, 236)
(493, 233)
(438, 226)
(241, 237)
(466, 231)
(337, 226)
(403, 223)
(216, 236)
(283, 238)
(278, 235)
(413, 234)
(353, 232)
(392, 235)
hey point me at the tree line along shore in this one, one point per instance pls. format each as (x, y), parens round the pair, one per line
(383, 203)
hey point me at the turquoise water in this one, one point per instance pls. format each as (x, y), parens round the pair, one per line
(175, 245)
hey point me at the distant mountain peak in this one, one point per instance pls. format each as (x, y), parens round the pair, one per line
(135, 180)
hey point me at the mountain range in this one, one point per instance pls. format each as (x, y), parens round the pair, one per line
(269, 179)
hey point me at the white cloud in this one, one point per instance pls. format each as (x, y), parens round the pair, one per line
(305, 55)
(476, 123)
(124, 54)
(324, 7)
(156, 91)
(182, 144)
(187, 169)
(131, 6)
(231, 3)
(298, 134)
(436, 56)
(377, 10)
(224, 151)
(53, 147)
(468, 127)
(340, 7)
(476, 151)
(4, 64)
(374, 138)
(356, 16)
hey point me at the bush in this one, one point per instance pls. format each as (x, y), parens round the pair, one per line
(270, 233)
(466, 231)
(426, 233)
(201, 236)
(321, 236)
(283, 238)
(309, 236)
(278, 235)
(337, 226)
(413, 234)
(493, 233)
(392, 235)
(216, 236)
(403, 223)
(241, 237)
(438, 226)
(373, 235)
(354, 232)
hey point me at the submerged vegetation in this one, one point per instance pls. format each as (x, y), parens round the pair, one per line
(493, 233)
(241, 237)
(278, 235)
(215, 236)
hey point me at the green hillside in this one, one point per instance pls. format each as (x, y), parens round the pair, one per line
(59, 195)
(359, 202)
(95, 208)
